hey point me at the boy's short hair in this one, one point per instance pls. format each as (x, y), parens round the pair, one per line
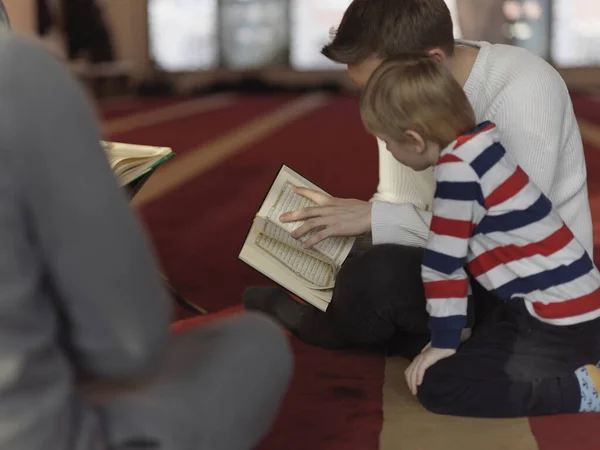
(391, 28)
(416, 93)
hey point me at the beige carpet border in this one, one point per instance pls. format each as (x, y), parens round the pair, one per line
(168, 113)
(408, 426)
(590, 132)
(197, 161)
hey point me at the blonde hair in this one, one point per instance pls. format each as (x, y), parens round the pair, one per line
(416, 93)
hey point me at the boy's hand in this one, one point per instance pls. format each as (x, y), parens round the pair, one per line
(428, 357)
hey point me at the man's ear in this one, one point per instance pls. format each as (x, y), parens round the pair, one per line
(437, 54)
(417, 140)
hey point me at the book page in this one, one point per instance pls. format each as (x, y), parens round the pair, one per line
(130, 161)
(120, 151)
(335, 249)
(280, 234)
(272, 269)
(270, 249)
(318, 273)
(262, 261)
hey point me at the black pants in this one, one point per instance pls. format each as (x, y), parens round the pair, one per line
(514, 365)
(379, 297)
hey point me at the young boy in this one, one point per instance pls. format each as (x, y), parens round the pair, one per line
(488, 219)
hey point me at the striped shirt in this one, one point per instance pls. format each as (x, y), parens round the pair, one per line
(489, 219)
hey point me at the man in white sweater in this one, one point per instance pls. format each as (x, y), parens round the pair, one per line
(379, 292)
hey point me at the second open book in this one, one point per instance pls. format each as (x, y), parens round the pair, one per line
(269, 247)
(129, 162)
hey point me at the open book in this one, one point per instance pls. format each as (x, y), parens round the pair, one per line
(130, 161)
(269, 247)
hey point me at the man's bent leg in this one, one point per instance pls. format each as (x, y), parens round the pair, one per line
(514, 366)
(220, 388)
(377, 292)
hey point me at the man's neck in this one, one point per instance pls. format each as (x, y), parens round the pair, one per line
(462, 63)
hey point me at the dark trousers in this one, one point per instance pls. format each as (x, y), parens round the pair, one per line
(379, 298)
(514, 365)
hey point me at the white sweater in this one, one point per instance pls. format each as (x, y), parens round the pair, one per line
(529, 102)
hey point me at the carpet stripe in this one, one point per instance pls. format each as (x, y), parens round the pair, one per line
(407, 425)
(193, 163)
(110, 107)
(185, 134)
(590, 132)
(198, 228)
(168, 113)
(136, 106)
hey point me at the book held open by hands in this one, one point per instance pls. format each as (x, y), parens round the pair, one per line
(131, 161)
(269, 247)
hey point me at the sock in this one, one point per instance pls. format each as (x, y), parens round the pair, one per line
(589, 384)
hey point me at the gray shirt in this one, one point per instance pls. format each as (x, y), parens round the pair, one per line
(80, 297)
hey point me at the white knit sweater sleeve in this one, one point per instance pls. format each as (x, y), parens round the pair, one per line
(400, 212)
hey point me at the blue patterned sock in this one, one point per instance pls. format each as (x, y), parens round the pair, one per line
(589, 383)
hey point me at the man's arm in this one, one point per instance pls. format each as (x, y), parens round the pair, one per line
(397, 214)
(401, 207)
(538, 127)
(96, 260)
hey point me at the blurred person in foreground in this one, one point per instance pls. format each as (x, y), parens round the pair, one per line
(86, 360)
(538, 352)
(378, 296)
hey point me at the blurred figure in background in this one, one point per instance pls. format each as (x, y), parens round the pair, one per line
(481, 20)
(77, 26)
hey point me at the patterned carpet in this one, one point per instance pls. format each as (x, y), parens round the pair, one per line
(198, 208)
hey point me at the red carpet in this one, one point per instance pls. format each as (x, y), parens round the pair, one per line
(199, 228)
(335, 401)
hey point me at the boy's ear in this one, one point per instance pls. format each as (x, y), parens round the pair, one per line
(416, 139)
(437, 54)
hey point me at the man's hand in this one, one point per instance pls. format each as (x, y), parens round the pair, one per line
(428, 357)
(333, 216)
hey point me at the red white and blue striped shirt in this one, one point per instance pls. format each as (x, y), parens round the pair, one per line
(489, 219)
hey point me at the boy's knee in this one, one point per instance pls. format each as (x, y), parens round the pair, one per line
(437, 393)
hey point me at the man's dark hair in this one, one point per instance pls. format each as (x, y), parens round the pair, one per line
(391, 28)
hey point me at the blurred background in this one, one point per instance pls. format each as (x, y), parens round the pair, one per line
(157, 46)
(238, 87)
